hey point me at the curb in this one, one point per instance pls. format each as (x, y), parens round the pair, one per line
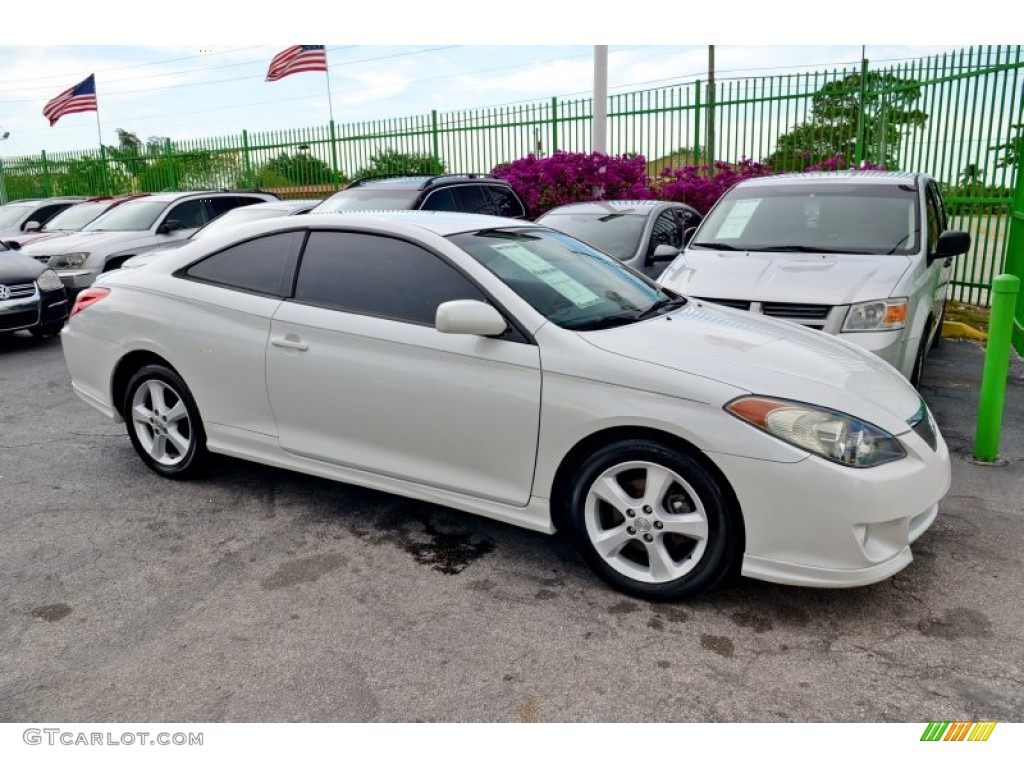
(951, 329)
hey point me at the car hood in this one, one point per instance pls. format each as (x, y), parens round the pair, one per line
(768, 357)
(805, 278)
(18, 268)
(106, 242)
(36, 237)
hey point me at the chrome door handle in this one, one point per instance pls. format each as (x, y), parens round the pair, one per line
(291, 341)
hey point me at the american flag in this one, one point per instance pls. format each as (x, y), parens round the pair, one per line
(77, 98)
(298, 58)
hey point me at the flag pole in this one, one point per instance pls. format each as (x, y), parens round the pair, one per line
(330, 110)
(103, 153)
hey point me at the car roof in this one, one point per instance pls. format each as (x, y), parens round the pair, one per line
(170, 197)
(423, 181)
(862, 177)
(279, 205)
(639, 207)
(439, 222)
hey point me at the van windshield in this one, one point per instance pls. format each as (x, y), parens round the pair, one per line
(815, 218)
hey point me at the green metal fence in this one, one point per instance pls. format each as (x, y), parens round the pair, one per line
(954, 116)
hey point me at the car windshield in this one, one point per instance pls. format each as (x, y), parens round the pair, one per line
(569, 282)
(617, 234)
(368, 199)
(810, 217)
(77, 216)
(133, 216)
(11, 214)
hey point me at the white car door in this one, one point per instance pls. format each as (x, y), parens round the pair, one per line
(358, 376)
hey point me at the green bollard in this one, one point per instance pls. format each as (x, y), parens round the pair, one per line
(997, 365)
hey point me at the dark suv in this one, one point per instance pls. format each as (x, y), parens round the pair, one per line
(466, 192)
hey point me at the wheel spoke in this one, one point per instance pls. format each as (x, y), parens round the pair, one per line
(180, 442)
(659, 480)
(692, 525)
(611, 542)
(608, 489)
(661, 563)
(158, 450)
(156, 396)
(177, 412)
(141, 414)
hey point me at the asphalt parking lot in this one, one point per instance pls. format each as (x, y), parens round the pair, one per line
(263, 595)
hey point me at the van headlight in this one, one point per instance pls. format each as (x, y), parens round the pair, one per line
(49, 281)
(833, 435)
(69, 260)
(879, 315)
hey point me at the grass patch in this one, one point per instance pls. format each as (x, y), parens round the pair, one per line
(968, 314)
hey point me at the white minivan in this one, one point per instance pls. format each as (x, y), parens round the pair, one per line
(864, 255)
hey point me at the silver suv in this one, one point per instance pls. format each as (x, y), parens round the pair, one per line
(864, 255)
(137, 225)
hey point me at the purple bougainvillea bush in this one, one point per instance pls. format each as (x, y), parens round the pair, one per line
(570, 177)
(693, 185)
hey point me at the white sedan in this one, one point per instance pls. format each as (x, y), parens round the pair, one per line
(511, 371)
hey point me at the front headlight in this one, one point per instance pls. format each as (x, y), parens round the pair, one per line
(68, 260)
(49, 281)
(880, 315)
(830, 434)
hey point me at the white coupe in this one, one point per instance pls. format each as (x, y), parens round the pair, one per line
(511, 371)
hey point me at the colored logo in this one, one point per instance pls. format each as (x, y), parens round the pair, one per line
(959, 731)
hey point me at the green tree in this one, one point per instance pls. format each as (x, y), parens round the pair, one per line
(888, 110)
(391, 162)
(300, 168)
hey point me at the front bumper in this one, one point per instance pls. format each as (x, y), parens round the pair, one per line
(818, 524)
(43, 308)
(77, 280)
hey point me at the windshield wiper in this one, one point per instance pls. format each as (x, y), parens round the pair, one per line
(718, 246)
(608, 321)
(805, 249)
(670, 302)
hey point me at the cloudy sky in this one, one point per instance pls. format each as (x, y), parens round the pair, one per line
(396, 59)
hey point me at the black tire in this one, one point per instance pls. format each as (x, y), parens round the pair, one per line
(50, 329)
(918, 371)
(176, 463)
(627, 463)
(938, 334)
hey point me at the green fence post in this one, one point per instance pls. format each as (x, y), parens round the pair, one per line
(858, 155)
(435, 141)
(1015, 245)
(246, 161)
(3, 184)
(554, 124)
(172, 177)
(696, 122)
(1005, 289)
(47, 186)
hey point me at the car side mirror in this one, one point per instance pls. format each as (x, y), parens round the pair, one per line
(14, 245)
(170, 225)
(688, 235)
(31, 226)
(664, 252)
(469, 317)
(952, 242)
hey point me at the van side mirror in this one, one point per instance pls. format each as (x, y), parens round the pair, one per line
(664, 252)
(171, 225)
(31, 226)
(952, 242)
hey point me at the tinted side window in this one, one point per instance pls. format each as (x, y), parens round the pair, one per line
(472, 198)
(505, 203)
(934, 225)
(381, 276)
(225, 203)
(189, 214)
(666, 231)
(441, 200)
(263, 265)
